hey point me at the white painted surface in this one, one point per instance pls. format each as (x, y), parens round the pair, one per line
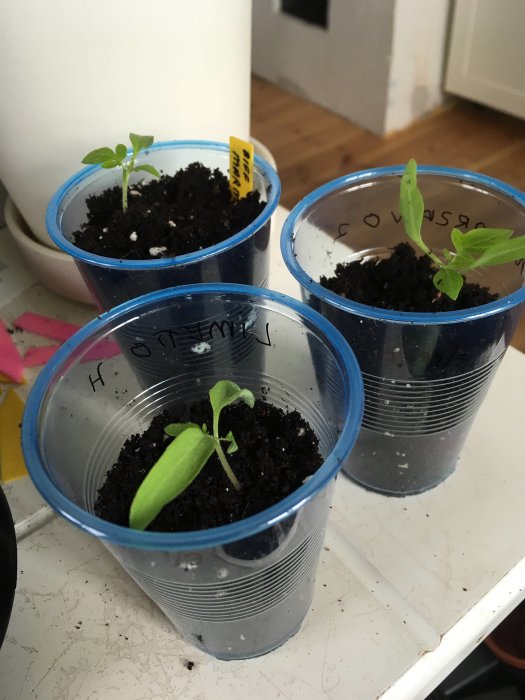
(487, 54)
(76, 76)
(416, 61)
(379, 63)
(406, 588)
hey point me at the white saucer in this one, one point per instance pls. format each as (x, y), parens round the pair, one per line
(54, 269)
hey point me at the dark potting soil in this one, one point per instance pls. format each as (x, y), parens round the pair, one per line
(176, 214)
(401, 282)
(277, 452)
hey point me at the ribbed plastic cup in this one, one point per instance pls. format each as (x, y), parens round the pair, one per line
(425, 374)
(241, 259)
(234, 591)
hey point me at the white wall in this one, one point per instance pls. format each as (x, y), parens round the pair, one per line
(379, 63)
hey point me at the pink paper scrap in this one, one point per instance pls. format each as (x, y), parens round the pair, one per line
(103, 350)
(45, 326)
(36, 356)
(10, 361)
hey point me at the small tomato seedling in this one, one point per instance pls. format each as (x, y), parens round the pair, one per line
(479, 247)
(108, 158)
(183, 459)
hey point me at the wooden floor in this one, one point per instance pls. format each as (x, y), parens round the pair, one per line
(312, 145)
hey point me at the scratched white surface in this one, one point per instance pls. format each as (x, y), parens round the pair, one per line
(398, 579)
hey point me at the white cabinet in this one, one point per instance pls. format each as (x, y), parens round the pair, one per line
(486, 61)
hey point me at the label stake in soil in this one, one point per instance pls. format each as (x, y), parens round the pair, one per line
(241, 167)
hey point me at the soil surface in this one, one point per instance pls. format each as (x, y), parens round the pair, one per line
(166, 217)
(402, 282)
(277, 452)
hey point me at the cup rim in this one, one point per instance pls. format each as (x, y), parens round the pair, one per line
(364, 310)
(78, 178)
(199, 539)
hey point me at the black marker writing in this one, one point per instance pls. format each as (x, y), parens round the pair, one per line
(169, 334)
(246, 165)
(235, 175)
(266, 342)
(191, 331)
(98, 379)
(220, 327)
(372, 220)
(444, 218)
(140, 350)
(342, 230)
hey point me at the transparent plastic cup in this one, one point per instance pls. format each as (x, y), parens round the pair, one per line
(425, 374)
(234, 591)
(242, 259)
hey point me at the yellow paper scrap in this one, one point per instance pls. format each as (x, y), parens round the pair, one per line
(7, 380)
(241, 167)
(12, 465)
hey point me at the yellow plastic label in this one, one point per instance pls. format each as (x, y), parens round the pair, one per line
(241, 167)
(12, 465)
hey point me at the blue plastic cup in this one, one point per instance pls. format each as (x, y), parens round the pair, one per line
(242, 259)
(425, 374)
(234, 591)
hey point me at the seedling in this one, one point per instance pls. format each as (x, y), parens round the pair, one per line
(183, 459)
(479, 247)
(107, 158)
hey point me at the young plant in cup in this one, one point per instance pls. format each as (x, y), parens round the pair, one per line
(234, 570)
(430, 330)
(478, 248)
(157, 472)
(168, 216)
(184, 458)
(436, 281)
(165, 214)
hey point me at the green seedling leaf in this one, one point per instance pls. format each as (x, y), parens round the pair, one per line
(147, 169)
(121, 152)
(503, 252)
(449, 282)
(177, 467)
(139, 142)
(460, 262)
(174, 429)
(232, 447)
(411, 204)
(457, 237)
(109, 164)
(225, 393)
(99, 155)
(478, 239)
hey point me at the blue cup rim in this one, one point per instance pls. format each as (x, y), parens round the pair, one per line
(117, 534)
(364, 310)
(84, 256)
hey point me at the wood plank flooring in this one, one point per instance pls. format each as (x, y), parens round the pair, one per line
(312, 145)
